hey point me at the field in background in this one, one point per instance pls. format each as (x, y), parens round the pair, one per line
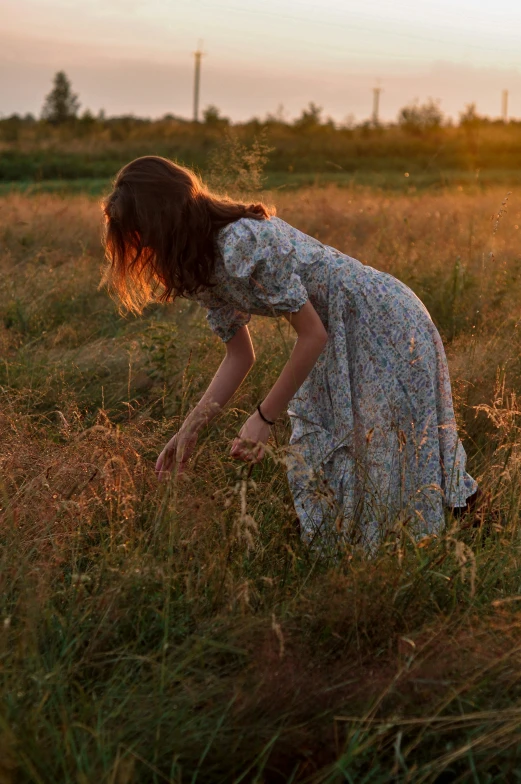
(385, 180)
(476, 151)
(181, 633)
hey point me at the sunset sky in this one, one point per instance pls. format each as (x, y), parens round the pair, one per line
(130, 56)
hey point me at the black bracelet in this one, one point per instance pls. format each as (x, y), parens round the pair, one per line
(263, 417)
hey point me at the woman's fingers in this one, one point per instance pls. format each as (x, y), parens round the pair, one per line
(250, 443)
(176, 454)
(182, 463)
(165, 460)
(159, 464)
(162, 470)
(236, 447)
(246, 450)
(239, 449)
(179, 450)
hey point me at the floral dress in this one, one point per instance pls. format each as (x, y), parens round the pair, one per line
(374, 442)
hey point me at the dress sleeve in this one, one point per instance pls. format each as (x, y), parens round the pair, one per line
(223, 318)
(260, 255)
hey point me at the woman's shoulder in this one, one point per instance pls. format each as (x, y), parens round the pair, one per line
(249, 235)
(251, 227)
(246, 242)
(271, 232)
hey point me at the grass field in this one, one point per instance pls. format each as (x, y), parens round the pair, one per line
(35, 152)
(384, 180)
(182, 633)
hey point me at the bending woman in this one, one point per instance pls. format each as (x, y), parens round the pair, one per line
(374, 440)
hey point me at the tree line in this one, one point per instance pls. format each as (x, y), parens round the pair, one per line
(61, 107)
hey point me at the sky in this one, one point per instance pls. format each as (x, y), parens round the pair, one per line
(136, 57)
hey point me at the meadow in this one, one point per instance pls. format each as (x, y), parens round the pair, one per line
(181, 632)
(294, 154)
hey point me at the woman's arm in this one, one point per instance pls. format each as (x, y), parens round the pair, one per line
(311, 340)
(230, 374)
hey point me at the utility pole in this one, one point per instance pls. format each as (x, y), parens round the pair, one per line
(376, 105)
(197, 80)
(504, 106)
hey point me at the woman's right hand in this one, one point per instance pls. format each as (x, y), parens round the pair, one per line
(177, 451)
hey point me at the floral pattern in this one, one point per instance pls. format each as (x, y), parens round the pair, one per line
(374, 439)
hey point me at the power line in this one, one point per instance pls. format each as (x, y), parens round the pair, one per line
(353, 26)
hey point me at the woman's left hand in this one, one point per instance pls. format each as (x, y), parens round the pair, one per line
(250, 443)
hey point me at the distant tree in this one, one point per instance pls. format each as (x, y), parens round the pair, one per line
(470, 121)
(349, 122)
(61, 104)
(418, 118)
(469, 118)
(87, 117)
(276, 118)
(310, 117)
(169, 117)
(10, 128)
(212, 116)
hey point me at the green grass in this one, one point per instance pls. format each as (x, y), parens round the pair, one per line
(155, 633)
(36, 151)
(275, 181)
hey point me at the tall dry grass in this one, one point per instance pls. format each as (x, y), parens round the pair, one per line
(182, 633)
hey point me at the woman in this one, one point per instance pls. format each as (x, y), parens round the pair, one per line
(374, 441)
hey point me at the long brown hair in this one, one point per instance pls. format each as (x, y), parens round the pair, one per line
(159, 231)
